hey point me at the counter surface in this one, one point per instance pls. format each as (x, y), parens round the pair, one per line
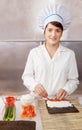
(37, 118)
(65, 121)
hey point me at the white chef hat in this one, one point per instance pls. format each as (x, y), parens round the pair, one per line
(56, 13)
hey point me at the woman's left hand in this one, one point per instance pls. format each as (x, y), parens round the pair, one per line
(61, 94)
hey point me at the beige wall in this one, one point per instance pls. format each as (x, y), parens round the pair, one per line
(18, 19)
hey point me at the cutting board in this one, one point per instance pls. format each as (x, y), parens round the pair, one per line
(17, 125)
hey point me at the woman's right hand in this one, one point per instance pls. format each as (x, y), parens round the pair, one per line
(40, 91)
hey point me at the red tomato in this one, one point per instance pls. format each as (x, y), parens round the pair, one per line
(10, 100)
(28, 111)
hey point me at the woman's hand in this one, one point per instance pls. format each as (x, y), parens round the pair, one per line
(61, 94)
(40, 91)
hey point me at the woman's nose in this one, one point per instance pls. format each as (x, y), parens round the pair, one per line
(53, 33)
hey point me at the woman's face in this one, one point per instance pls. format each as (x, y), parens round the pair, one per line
(52, 34)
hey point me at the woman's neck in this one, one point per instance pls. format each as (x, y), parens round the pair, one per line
(51, 49)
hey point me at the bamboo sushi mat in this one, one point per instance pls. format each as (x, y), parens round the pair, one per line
(64, 121)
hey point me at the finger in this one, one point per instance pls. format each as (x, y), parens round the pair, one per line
(58, 95)
(62, 96)
(66, 95)
(43, 92)
(40, 90)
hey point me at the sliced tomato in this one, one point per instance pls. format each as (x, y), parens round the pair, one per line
(10, 100)
(28, 111)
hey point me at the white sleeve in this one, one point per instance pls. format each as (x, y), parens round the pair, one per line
(28, 74)
(72, 81)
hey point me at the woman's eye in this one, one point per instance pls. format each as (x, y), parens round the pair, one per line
(50, 30)
(58, 30)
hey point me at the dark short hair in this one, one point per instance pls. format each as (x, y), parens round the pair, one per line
(57, 24)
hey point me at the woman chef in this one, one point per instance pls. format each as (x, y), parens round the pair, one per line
(51, 69)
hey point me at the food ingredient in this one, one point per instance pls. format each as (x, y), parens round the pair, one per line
(10, 113)
(28, 111)
(9, 109)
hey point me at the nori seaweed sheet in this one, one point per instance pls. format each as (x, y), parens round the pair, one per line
(55, 110)
(17, 125)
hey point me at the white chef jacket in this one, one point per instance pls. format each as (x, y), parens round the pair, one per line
(53, 73)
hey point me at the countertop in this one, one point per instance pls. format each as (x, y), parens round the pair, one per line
(46, 121)
(37, 118)
(65, 121)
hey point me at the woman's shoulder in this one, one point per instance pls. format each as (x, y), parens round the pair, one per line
(35, 49)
